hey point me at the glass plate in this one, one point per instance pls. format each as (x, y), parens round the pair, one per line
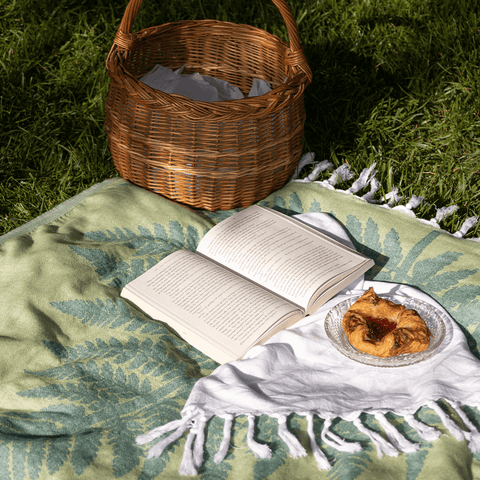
(431, 316)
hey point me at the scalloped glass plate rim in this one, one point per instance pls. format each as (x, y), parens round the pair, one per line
(431, 315)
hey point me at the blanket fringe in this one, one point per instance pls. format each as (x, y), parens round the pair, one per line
(469, 223)
(199, 431)
(227, 434)
(392, 197)
(187, 467)
(307, 159)
(397, 439)
(159, 431)
(342, 173)
(336, 442)
(382, 445)
(322, 166)
(390, 200)
(473, 435)
(194, 446)
(295, 448)
(374, 187)
(453, 428)
(158, 449)
(363, 180)
(320, 457)
(259, 450)
(414, 202)
(424, 431)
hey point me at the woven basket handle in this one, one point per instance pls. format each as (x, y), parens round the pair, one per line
(295, 56)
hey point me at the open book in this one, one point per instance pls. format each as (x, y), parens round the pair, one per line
(254, 274)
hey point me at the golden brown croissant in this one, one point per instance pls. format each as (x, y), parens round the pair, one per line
(382, 328)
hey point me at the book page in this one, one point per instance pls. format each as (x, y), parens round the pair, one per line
(209, 300)
(279, 253)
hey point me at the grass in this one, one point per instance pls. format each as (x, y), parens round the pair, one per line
(396, 82)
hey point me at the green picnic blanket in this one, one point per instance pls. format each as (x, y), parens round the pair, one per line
(83, 373)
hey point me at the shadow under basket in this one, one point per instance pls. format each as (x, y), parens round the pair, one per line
(218, 155)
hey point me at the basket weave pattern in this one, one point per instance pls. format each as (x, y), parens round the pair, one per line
(217, 155)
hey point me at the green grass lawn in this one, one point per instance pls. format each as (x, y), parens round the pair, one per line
(396, 82)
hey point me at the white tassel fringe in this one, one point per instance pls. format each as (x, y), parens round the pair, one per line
(414, 202)
(227, 434)
(295, 448)
(194, 445)
(445, 212)
(325, 165)
(342, 173)
(159, 431)
(307, 159)
(363, 180)
(336, 442)
(374, 187)
(158, 449)
(199, 430)
(187, 466)
(320, 457)
(397, 439)
(382, 445)
(474, 434)
(424, 431)
(392, 198)
(368, 176)
(258, 449)
(453, 428)
(467, 225)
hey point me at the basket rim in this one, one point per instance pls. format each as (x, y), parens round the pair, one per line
(293, 87)
(296, 76)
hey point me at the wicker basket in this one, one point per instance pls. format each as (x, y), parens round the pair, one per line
(217, 155)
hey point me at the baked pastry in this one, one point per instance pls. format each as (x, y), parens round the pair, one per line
(385, 329)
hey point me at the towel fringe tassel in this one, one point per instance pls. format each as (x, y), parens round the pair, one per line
(383, 446)
(363, 180)
(187, 467)
(473, 435)
(307, 159)
(466, 226)
(453, 428)
(392, 197)
(227, 435)
(199, 430)
(342, 173)
(320, 457)
(414, 202)
(322, 166)
(259, 450)
(336, 442)
(159, 431)
(194, 445)
(295, 448)
(158, 449)
(424, 431)
(367, 176)
(397, 439)
(374, 187)
(445, 212)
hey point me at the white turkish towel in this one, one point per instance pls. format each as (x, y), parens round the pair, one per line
(299, 371)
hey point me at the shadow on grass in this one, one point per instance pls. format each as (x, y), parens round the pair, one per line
(347, 85)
